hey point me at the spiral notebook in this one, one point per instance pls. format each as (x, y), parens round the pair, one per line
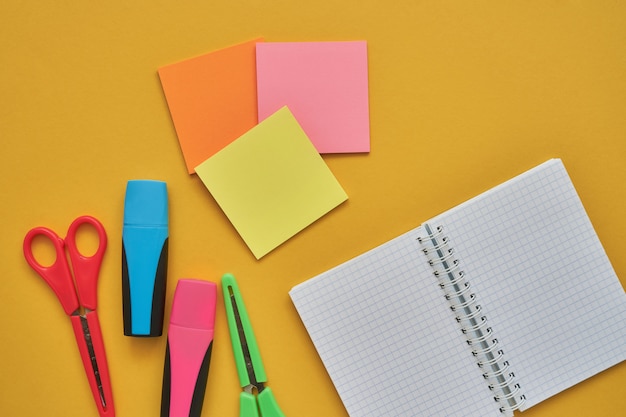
(490, 307)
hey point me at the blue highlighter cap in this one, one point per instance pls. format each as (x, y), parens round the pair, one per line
(146, 203)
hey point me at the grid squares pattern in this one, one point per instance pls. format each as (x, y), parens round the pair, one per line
(387, 338)
(543, 278)
(390, 343)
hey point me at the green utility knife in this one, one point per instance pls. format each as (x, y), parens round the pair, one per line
(256, 400)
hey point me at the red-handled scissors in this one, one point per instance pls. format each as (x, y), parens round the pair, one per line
(79, 300)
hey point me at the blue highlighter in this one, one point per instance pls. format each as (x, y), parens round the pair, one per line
(144, 257)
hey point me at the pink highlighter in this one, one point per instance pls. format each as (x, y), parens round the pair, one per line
(189, 344)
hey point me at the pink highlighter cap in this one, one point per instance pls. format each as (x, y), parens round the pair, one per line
(194, 304)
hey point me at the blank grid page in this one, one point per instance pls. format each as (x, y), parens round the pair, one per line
(536, 264)
(387, 338)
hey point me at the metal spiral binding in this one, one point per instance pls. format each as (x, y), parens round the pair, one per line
(479, 336)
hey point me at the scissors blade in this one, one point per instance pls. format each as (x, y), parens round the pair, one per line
(245, 349)
(91, 346)
(92, 355)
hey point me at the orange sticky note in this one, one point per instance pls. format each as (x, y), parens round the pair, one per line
(212, 99)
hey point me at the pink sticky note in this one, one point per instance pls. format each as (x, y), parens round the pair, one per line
(324, 84)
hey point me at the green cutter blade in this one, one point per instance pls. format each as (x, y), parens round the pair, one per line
(247, 357)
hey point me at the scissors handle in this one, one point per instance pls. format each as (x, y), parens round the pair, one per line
(263, 405)
(247, 405)
(268, 405)
(58, 274)
(86, 268)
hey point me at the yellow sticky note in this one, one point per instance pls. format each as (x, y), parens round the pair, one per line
(271, 182)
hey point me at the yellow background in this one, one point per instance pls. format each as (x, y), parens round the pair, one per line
(463, 95)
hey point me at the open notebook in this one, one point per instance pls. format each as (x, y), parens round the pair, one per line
(494, 305)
